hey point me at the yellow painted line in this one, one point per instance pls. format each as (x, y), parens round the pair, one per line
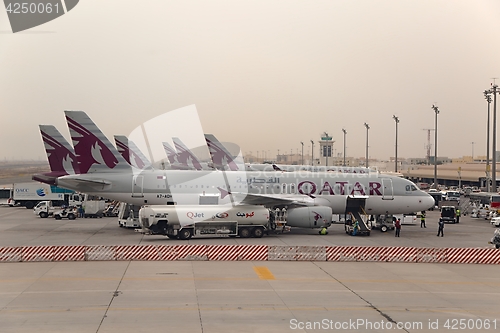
(264, 273)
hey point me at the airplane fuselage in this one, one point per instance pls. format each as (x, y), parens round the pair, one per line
(182, 187)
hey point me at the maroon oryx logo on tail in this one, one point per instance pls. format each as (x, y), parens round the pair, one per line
(89, 148)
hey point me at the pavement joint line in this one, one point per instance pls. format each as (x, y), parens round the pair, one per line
(115, 294)
(197, 299)
(380, 311)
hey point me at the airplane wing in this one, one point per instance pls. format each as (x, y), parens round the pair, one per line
(268, 200)
(84, 184)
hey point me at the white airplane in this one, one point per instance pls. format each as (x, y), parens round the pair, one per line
(104, 172)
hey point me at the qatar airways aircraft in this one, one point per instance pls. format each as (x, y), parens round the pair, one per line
(104, 172)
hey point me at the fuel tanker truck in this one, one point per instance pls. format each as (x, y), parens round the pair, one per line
(184, 222)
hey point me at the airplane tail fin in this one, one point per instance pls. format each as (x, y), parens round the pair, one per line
(185, 155)
(93, 150)
(221, 157)
(173, 157)
(61, 156)
(276, 168)
(131, 153)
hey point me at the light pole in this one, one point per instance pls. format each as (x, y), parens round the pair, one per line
(396, 119)
(302, 159)
(494, 90)
(487, 96)
(367, 128)
(436, 110)
(345, 132)
(312, 152)
(472, 143)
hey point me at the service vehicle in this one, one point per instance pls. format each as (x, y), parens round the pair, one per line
(496, 239)
(383, 222)
(495, 221)
(30, 193)
(453, 203)
(448, 214)
(451, 196)
(94, 206)
(128, 215)
(438, 197)
(45, 209)
(184, 222)
(66, 212)
(408, 219)
(5, 195)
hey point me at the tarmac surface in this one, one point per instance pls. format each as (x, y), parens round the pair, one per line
(244, 296)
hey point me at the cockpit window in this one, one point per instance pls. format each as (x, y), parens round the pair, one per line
(410, 188)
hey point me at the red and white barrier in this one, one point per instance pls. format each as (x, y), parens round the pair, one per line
(251, 252)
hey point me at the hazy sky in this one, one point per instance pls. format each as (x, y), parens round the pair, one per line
(263, 74)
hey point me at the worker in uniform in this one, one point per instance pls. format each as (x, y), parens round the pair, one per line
(458, 215)
(422, 219)
(397, 224)
(440, 228)
(323, 231)
(355, 228)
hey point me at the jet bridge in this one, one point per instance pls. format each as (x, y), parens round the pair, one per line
(355, 206)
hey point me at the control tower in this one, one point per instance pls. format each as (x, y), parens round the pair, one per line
(326, 149)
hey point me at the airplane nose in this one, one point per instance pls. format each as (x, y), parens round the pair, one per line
(428, 202)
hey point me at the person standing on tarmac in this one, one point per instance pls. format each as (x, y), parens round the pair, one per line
(422, 219)
(355, 228)
(458, 215)
(398, 227)
(440, 228)
(323, 231)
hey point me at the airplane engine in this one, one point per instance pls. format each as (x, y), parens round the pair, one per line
(309, 217)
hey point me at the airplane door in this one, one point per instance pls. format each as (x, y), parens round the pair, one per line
(137, 186)
(387, 190)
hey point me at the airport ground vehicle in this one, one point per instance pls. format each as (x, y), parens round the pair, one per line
(438, 196)
(451, 196)
(94, 206)
(383, 222)
(5, 195)
(66, 212)
(495, 221)
(444, 203)
(448, 214)
(128, 215)
(408, 219)
(30, 193)
(186, 222)
(486, 198)
(45, 209)
(496, 239)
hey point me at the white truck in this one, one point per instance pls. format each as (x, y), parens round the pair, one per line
(184, 222)
(45, 209)
(30, 193)
(93, 206)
